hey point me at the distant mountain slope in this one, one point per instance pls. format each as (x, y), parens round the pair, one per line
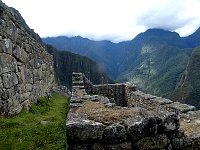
(115, 58)
(105, 53)
(193, 40)
(188, 90)
(65, 63)
(159, 36)
(154, 60)
(157, 69)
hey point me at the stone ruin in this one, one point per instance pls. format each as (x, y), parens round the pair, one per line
(26, 68)
(120, 117)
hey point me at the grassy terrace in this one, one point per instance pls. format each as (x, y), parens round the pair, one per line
(43, 127)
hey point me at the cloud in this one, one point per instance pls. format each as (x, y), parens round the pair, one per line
(180, 15)
(115, 20)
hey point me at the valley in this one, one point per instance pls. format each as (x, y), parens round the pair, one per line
(154, 60)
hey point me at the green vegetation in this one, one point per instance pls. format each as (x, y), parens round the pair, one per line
(188, 89)
(158, 69)
(154, 60)
(43, 127)
(65, 63)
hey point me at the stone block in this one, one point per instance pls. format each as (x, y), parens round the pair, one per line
(122, 146)
(151, 143)
(9, 79)
(8, 46)
(195, 138)
(20, 54)
(7, 63)
(110, 105)
(161, 101)
(82, 130)
(139, 127)
(180, 108)
(114, 134)
(170, 121)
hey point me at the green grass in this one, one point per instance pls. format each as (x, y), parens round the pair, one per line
(25, 131)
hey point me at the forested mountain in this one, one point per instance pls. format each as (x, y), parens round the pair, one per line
(188, 89)
(153, 60)
(105, 53)
(193, 40)
(65, 63)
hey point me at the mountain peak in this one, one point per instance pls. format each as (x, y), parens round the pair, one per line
(159, 36)
(160, 32)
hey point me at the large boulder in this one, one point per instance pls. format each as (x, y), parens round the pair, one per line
(139, 127)
(79, 129)
(151, 143)
(114, 133)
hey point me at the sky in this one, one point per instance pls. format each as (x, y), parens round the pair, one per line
(115, 20)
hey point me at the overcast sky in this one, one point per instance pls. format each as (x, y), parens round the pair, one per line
(115, 20)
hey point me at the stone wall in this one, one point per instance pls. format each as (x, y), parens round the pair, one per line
(26, 69)
(125, 94)
(154, 123)
(117, 92)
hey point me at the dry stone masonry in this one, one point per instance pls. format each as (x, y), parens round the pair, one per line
(119, 117)
(26, 69)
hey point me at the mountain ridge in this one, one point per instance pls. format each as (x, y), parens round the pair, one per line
(122, 60)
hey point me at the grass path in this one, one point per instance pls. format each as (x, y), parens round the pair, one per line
(43, 127)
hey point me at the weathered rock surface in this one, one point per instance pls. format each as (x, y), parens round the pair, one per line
(155, 142)
(79, 129)
(139, 127)
(114, 134)
(26, 69)
(155, 124)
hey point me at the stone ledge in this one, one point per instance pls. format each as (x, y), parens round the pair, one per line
(182, 108)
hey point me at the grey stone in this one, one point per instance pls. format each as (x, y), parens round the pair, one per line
(161, 101)
(8, 46)
(114, 134)
(170, 121)
(195, 138)
(8, 93)
(95, 146)
(1, 84)
(62, 90)
(151, 143)
(122, 146)
(5, 95)
(36, 62)
(9, 80)
(28, 76)
(7, 63)
(15, 110)
(20, 54)
(179, 143)
(29, 87)
(75, 105)
(110, 105)
(1, 92)
(83, 130)
(179, 107)
(105, 100)
(139, 127)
